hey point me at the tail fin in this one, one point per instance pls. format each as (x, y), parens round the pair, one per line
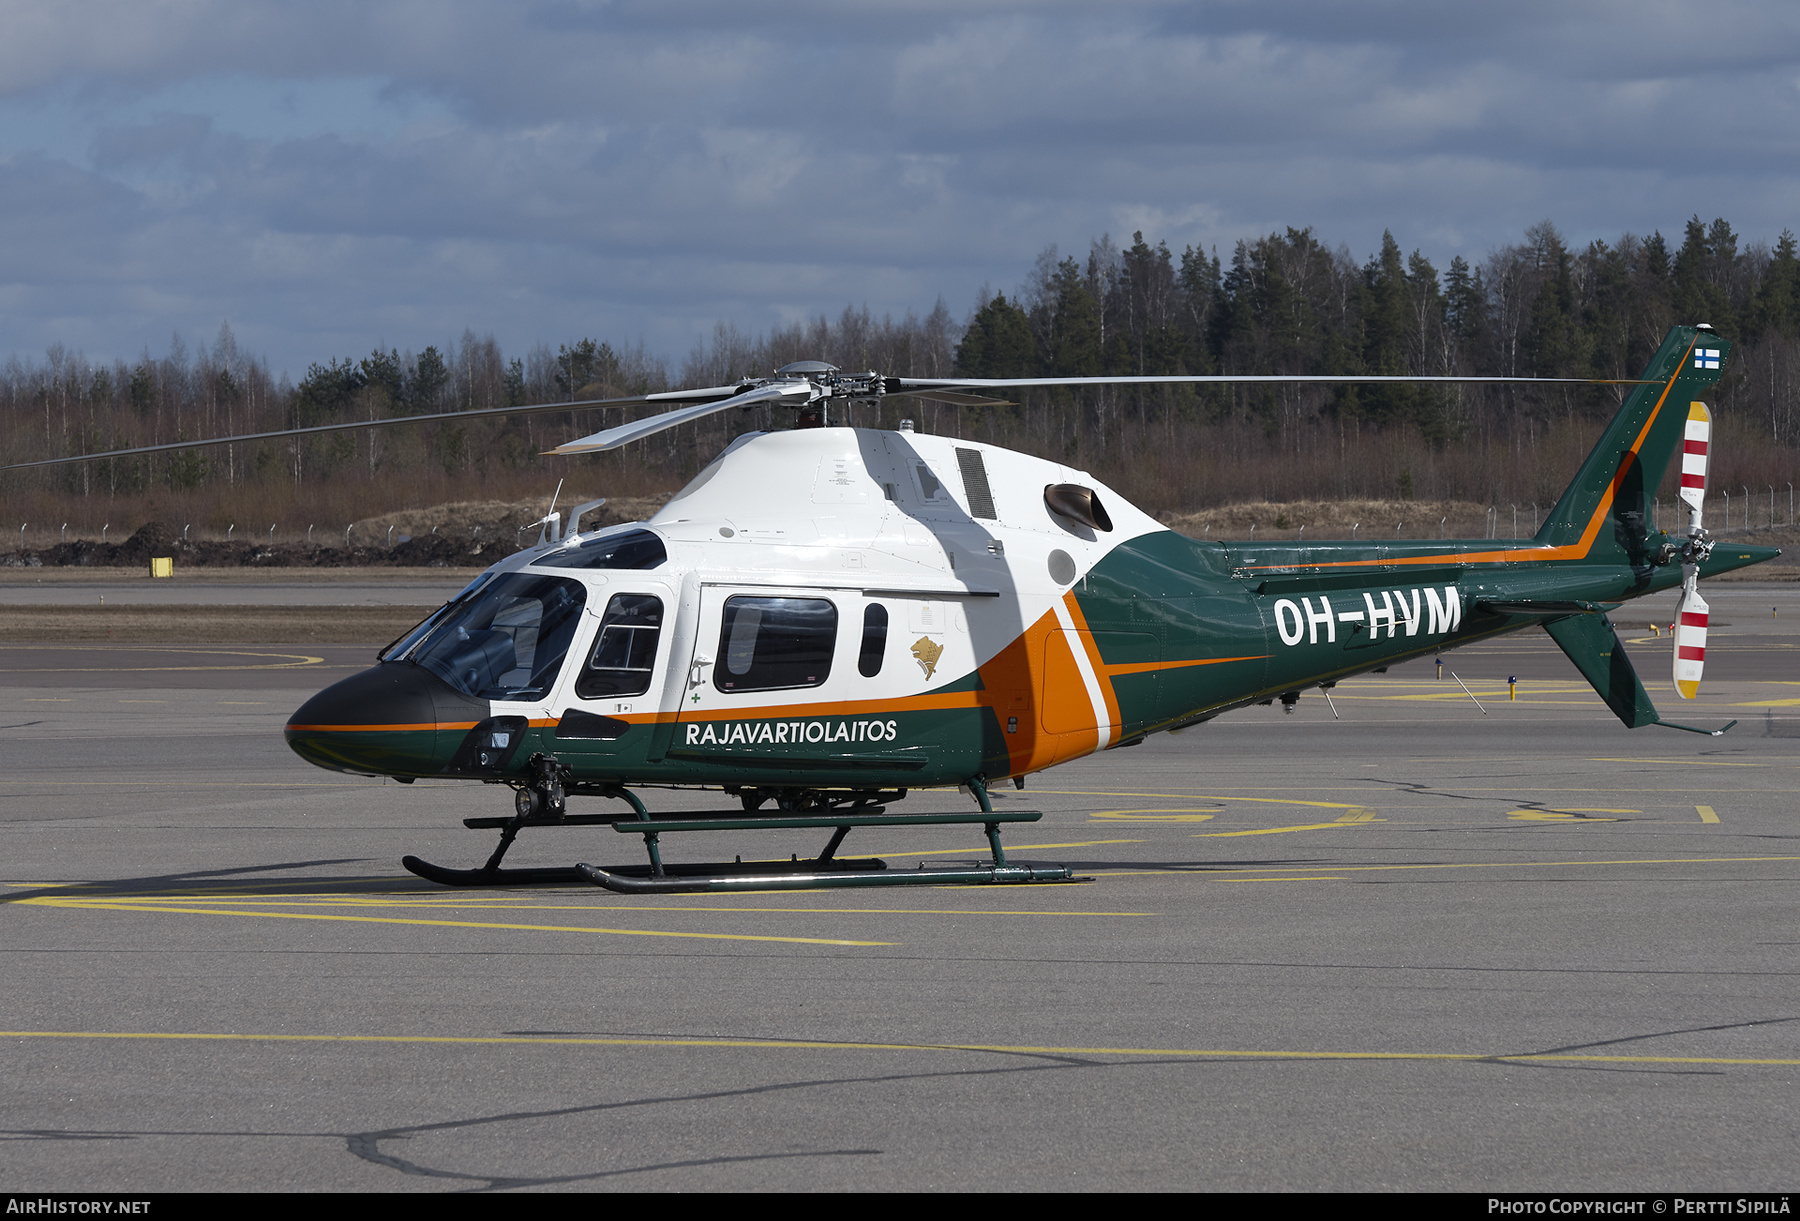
(1606, 511)
(1593, 645)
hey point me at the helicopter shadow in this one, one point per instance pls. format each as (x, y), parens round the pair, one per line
(236, 881)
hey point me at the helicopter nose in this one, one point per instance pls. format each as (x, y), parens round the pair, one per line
(394, 720)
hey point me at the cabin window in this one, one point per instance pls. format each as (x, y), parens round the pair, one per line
(770, 643)
(874, 640)
(625, 650)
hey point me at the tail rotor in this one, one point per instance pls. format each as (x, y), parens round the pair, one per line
(1691, 612)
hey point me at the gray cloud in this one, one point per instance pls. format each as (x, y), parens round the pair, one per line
(335, 174)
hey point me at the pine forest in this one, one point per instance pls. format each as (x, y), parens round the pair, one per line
(1284, 303)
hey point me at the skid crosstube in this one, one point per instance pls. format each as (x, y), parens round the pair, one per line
(550, 813)
(826, 870)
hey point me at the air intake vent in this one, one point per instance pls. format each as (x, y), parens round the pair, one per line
(1077, 503)
(975, 484)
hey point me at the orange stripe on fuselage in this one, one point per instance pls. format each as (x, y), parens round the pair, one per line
(1093, 655)
(1148, 667)
(927, 702)
(386, 728)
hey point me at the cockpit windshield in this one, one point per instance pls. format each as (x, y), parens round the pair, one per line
(398, 650)
(506, 642)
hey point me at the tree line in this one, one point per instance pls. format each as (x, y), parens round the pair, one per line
(1283, 303)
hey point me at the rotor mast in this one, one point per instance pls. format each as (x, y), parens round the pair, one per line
(830, 385)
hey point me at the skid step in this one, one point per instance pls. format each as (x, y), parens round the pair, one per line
(739, 822)
(568, 820)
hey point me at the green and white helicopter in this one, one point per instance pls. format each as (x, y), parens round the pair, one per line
(828, 617)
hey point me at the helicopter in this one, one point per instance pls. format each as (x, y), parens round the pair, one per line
(829, 617)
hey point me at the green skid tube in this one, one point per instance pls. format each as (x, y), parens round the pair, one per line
(823, 872)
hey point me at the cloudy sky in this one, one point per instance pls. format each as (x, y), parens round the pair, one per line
(328, 176)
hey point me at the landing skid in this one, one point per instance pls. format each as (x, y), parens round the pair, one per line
(633, 879)
(489, 877)
(823, 871)
(769, 876)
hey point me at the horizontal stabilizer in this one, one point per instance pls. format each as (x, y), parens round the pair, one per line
(1593, 645)
(1545, 610)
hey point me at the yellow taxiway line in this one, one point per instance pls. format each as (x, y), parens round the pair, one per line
(1358, 817)
(164, 909)
(979, 849)
(1276, 801)
(1215, 872)
(291, 661)
(1010, 1049)
(1685, 762)
(521, 903)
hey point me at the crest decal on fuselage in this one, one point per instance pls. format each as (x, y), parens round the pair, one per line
(926, 652)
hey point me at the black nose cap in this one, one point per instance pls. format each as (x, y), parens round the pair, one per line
(396, 719)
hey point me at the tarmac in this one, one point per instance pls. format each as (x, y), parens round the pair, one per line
(1418, 945)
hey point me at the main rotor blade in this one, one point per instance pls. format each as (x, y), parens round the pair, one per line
(961, 393)
(922, 387)
(672, 396)
(719, 398)
(957, 397)
(624, 434)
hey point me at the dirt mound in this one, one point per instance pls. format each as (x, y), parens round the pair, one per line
(152, 538)
(495, 520)
(156, 539)
(474, 534)
(467, 534)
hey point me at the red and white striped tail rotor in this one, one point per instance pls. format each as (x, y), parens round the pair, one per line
(1691, 612)
(1690, 642)
(1694, 445)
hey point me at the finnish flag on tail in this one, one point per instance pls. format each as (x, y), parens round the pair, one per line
(1706, 358)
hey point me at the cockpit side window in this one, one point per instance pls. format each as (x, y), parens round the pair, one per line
(625, 650)
(770, 643)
